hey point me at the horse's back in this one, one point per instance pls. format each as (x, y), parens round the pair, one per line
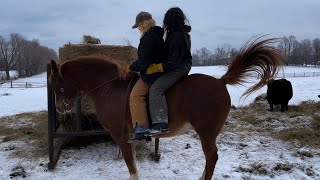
(200, 87)
(200, 100)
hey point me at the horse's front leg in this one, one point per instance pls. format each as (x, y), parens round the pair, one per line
(128, 153)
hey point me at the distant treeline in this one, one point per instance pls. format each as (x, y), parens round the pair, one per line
(297, 53)
(27, 57)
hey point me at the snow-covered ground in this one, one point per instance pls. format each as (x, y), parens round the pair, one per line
(178, 161)
(22, 100)
(19, 100)
(304, 88)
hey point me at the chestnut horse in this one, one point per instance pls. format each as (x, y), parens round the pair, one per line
(198, 102)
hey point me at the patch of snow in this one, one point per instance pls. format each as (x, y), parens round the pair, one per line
(182, 156)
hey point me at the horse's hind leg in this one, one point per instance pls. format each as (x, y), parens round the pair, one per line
(129, 157)
(211, 153)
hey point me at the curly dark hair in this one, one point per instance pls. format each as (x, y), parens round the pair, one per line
(174, 20)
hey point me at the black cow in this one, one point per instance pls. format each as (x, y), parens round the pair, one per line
(279, 92)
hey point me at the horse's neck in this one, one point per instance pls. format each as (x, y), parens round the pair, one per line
(110, 85)
(88, 80)
(88, 73)
(97, 74)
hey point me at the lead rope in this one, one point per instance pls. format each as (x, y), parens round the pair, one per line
(86, 93)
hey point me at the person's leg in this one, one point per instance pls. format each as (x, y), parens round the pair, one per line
(138, 105)
(157, 99)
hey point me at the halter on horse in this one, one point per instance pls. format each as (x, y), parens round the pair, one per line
(199, 101)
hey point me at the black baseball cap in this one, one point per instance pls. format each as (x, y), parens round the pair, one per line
(142, 16)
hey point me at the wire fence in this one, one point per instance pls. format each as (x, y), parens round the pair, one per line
(13, 84)
(289, 75)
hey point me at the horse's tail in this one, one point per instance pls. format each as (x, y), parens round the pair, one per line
(255, 56)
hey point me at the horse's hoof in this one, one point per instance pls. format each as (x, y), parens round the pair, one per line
(134, 177)
(157, 157)
(50, 166)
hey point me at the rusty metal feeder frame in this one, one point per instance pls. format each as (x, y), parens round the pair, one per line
(53, 126)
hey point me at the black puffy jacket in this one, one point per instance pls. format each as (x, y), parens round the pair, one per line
(150, 51)
(177, 49)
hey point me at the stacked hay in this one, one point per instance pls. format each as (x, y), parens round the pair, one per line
(91, 40)
(124, 55)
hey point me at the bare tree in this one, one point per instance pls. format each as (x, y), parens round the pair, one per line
(306, 51)
(295, 57)
(287, 46)
(316, 51)
(222, 54)
(205, 56)
(35, 58)
(233, 52)
(196, 58)
(4, 53)
(10, 52)
(4, 45)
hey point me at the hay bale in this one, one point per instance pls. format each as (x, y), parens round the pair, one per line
(90, 40)
(124, 55)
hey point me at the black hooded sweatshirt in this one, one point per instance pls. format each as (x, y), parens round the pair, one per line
(177, 49)
(150, 51)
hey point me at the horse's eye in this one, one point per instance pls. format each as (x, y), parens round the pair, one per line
(61, 90)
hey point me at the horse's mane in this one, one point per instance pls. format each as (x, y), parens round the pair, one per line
(98, 62)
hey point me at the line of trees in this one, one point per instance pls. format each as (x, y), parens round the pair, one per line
(27, 57)
(297, 53)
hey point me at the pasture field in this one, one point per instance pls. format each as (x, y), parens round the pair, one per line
(274, 145)
(254, 144)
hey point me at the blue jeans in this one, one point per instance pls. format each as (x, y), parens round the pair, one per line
(157, 99)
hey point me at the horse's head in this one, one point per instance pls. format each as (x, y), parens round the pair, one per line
(65, 91)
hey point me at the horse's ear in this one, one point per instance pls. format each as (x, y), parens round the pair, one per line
(54, 67)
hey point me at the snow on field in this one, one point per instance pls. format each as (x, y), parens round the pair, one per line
(237, 152)
(100, 161)
(304, 88)
(21, 100)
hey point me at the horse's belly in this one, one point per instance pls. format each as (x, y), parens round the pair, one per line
(177, 130)
(186, 127)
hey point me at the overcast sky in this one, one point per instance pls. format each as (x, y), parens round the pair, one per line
(57, 22)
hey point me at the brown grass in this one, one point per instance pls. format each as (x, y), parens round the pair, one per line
(256, 114)
(306, 108)
(304, 136)
(249, 118)
(254, 168)
(34, 134)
